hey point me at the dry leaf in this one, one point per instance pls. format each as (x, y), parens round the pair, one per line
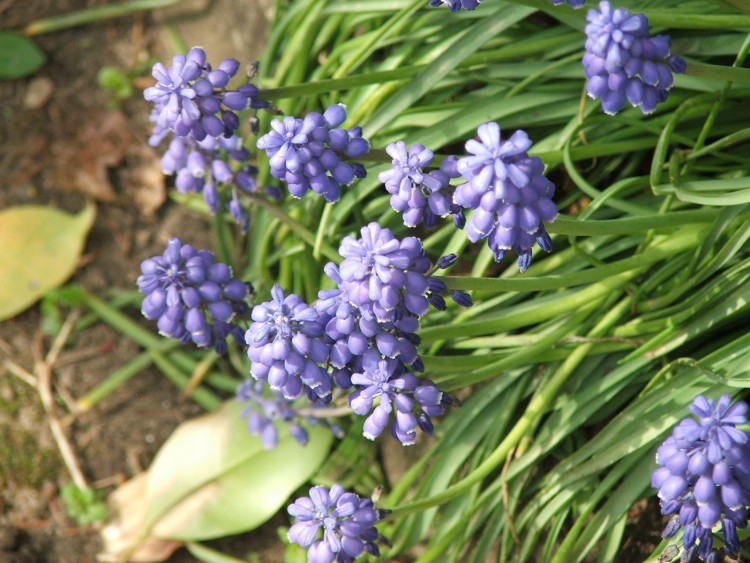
(128, 511)
(82, 164)
(143, 178)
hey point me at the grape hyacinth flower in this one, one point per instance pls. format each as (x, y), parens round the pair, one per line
(417, 194)
(309, 153)
(263, 412)
(624, 63)
(704, 475)
(346, 520)
(192, 297)
(508, 192)
(572, 3)
(383, 276)
(192, 98)
(456, 5)
(351, 335)
(411, 400)
(286, 346)
(204, 167)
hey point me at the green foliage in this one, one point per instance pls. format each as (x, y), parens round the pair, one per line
(19, 56)
(573, 372)
(116, 81)
(577, 369)
(85, 506)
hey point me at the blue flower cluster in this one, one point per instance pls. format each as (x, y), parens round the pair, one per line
(359, 337)
(704, 476)
(266, 408)
(347, 523)
(193, 103)
(310, 153)
(508, 192)
(623, 62)
(456, 5)
(286, 347)
(384, 287)
(203, 167)
(192, 99)
(192, 297)
(419, 195)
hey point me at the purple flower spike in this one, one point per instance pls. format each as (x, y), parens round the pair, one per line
(419, 195)
(267, 408)
(192, 297)
(384, 276)
(392, 396)
(347, 523)
(286, 346)
(704, 475)
(624, 63)
(310, 153)
(456, 5)
(191, 99)
(203, 167)
(575, 4)
(508, 192)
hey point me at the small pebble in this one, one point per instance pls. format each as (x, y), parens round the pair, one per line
(38, 92)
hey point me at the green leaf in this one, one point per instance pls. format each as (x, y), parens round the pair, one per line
(19, 56)
(212, 478)
(40, 250)
(84, 505)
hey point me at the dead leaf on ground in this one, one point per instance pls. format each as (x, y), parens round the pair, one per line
(82, 164)
(24, 160)
(143, 178)
(128, 512)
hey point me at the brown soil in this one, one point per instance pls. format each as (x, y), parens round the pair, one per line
(61, 141)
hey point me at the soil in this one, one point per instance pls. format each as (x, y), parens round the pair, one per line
(63, 140)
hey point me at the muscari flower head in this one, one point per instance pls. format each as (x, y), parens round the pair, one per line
(351, 335)
(192, 297)
(508, 192)
(704, 475)
(347, 523)
(286, 346)
(204, 167)
(384, 276)
(420, 195)
(390, 395)
(265, 410)
(572, 3)
(456, 5)
(192, 98)
(310, 153)
(624, 63)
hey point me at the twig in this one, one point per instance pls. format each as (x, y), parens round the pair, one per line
(20, 373)
(43, 370)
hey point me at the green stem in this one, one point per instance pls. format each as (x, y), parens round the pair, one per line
(320, 234)
(630, 225)
(334, 84)
(536, 409)
(665, 250)
(295, 226)
(122, 323)
(202, 396)
(719, 72)
(90, 15)
(117, 378)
